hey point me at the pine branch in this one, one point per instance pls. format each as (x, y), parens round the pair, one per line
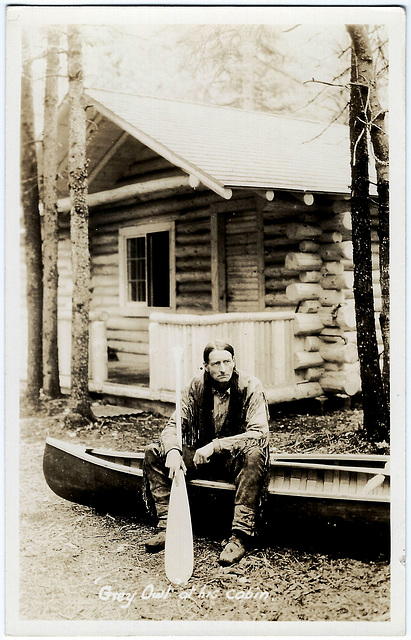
(328, 125)
(328, 84)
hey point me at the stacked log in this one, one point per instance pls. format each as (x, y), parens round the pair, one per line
(289, 237)
(127, 341)
(309, 267)
(341, 365)
(292, 277)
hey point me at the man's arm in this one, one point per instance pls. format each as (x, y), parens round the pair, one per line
(169, 439)
(169, 434)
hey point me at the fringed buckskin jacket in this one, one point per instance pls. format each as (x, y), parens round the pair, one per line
(245, 423)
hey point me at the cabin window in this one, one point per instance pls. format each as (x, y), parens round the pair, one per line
(146, 266)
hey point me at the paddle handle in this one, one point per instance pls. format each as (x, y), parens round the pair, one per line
(178, 359)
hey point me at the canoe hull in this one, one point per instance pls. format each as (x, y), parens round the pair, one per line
(114, 483)
(79, 479)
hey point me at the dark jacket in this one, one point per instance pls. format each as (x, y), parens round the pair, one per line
(246, 421)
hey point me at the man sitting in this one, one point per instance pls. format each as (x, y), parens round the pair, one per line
(224, 418)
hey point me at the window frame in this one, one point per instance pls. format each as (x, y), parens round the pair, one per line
(132, 308)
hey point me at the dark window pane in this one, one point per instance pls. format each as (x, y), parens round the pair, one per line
(141, 287)
(136, 269)
(132, 291)
(141, 270)
(132, 270)
(158, 258)
(148, 269)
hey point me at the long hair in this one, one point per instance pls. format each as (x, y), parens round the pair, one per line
(235, 416)
(201, 430)
(220, 345)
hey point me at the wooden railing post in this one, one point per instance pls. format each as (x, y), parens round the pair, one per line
(98, 369)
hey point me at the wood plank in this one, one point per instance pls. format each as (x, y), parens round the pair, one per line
(193, 226)
(127, 336)
(312, 481)
(328, 481)
(193, 238)
(194, 287)
(129, 347)
(107, 157)
(194, 264)
(200, 251)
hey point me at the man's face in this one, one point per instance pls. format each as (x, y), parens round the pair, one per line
(220, 366)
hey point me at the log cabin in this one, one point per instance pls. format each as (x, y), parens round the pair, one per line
(212, 222)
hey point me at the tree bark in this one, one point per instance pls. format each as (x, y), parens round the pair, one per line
(51, 383)
(32, 226)
(79, 399)
(376, 118)
(374, 405)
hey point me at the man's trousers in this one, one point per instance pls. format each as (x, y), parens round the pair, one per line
(246, 469)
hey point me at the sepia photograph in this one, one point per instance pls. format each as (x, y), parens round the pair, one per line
(205, 320)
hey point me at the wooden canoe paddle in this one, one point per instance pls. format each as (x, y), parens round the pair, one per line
(179, 555)
(377, 480)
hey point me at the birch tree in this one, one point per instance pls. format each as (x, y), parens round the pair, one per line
(79, 399)
(33, 257)
(51, 384)
(374, 124)
(375, 406)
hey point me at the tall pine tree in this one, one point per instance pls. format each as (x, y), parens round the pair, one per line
(32, 227)
(376, 414)
(79, 216)
(51, 382)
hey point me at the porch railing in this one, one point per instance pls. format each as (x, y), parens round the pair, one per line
(263, 342)
(97, 348)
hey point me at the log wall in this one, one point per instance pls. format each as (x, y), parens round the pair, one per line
(241, 247)
(306, 269)
(193, 264)
(309, 269)
(127, 335)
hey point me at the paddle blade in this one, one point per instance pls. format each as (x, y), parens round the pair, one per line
(179, 556)
(373, 483)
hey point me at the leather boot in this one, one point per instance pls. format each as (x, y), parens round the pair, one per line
(233, 551)
(158, 541)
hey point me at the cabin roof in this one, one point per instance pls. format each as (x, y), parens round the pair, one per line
(233, 147)
(222, 147)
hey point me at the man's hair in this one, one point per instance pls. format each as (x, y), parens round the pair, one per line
(220, 345)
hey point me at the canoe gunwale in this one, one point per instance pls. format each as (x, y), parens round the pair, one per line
(86, 454)
(83, 454)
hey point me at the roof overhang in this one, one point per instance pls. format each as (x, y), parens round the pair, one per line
(163, 151)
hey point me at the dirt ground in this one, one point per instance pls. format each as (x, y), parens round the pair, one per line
(77, 564)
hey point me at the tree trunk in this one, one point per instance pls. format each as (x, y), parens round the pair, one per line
(34, 267)
(374, 405)
(79, 400)
(51, 383)
(379, 138)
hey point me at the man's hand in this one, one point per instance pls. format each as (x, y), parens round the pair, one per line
(202, 455)
(174, 461)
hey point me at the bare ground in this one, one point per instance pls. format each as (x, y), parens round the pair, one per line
(77, 564)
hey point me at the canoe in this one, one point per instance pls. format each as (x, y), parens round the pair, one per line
(338, 486)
